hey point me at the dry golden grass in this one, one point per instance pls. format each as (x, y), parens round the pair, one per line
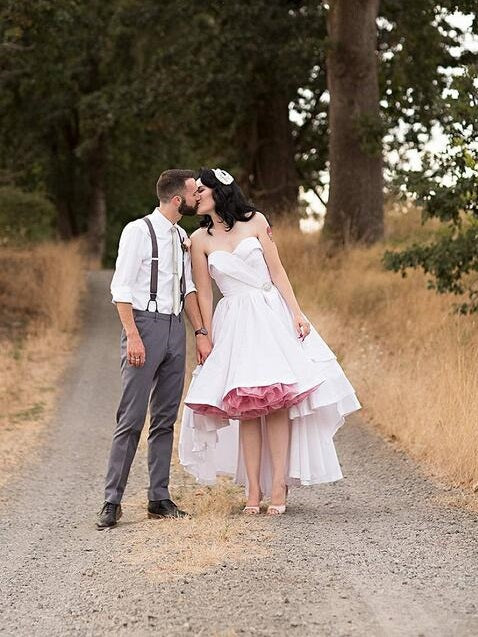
(40, 289)
(216, 534)
(211, 538)
(43, 283)
(412, 361)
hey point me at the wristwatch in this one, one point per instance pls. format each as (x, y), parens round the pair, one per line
(201, 330)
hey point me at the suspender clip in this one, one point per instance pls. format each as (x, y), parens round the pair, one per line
(155, 305)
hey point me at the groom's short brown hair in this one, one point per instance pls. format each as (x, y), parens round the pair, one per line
(171, 182)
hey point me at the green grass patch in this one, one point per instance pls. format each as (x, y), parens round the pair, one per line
(32, 413)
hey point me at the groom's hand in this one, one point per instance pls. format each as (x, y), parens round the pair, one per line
(203, 348)
(135, 350)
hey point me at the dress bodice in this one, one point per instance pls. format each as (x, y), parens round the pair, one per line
(241, 271)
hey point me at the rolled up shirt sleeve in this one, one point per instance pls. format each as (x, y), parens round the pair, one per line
(190, 287)
(131, 252)
(188, 277)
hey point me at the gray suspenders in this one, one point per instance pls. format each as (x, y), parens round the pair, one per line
(153, 282)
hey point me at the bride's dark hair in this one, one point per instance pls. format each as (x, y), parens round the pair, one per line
(231, 205)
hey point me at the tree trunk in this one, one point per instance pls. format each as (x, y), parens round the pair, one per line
(97, 214)
(64, 177)
(65, 220)
(271, 178)
(355, 207)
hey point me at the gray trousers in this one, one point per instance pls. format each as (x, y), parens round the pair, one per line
(160, 383)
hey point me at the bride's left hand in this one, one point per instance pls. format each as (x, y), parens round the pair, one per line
(203, 348)
(302, 326)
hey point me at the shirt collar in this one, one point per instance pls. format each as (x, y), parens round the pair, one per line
(164, 223)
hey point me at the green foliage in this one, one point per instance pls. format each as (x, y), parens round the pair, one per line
(414, 46)
(72, 84)
(177, 83)
(25, 217)
(446, 187)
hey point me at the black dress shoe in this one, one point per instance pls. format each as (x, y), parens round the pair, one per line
(109, 515)
(165, 509)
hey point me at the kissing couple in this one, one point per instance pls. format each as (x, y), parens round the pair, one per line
(267, 395)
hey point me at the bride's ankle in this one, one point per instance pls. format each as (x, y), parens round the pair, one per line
(279, 491)
(254, 495)
(280, 485)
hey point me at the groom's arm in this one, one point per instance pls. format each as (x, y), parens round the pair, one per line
(134, 344)
(128, 262)
(203, 342)
(191, 306)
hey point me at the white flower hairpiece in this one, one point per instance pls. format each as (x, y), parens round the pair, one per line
(223, 176)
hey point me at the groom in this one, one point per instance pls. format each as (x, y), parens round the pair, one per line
(151, 285)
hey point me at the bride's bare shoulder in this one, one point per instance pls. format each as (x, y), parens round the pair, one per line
(199, 237)
(259, 219)
(199, 234)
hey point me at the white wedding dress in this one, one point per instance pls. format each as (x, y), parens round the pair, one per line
(257, 365)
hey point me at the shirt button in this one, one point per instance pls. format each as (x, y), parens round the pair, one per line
(267, 286)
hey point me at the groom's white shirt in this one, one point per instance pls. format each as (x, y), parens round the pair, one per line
(131, 280)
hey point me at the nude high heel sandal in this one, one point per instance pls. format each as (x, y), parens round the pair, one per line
(278, 509)
(253, 509)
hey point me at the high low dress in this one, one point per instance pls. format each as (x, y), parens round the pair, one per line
(257, 365)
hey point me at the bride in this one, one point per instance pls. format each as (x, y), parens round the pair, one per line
(265, 404)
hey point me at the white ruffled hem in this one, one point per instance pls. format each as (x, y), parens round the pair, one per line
(209, 446)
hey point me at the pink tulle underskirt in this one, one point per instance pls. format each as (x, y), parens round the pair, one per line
(245, 403)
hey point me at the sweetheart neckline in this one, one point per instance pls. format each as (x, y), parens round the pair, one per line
(236, 248)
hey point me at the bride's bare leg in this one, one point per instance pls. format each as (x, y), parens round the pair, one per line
(251, 441)
(278, 434)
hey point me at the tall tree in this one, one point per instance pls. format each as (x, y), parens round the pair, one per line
(409, 46)
(355, 206)
(251, 58)
(239, 66)
(74, 108)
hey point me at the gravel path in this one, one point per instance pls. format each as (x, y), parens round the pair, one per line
(376, 554)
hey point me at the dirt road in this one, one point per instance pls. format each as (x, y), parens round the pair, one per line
(376, 554)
